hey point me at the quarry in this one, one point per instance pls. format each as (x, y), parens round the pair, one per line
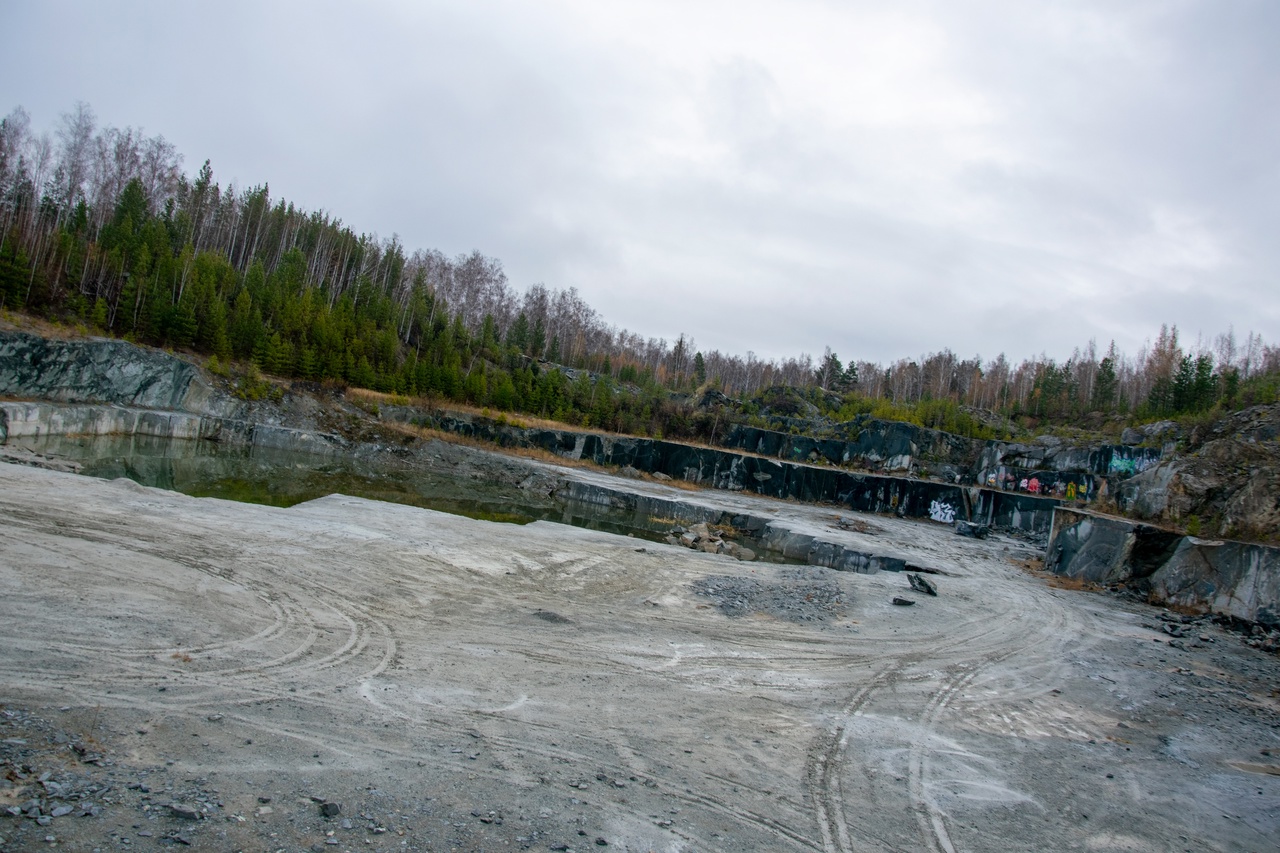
(792, 657)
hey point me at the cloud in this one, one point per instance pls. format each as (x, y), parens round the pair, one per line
(887, 180)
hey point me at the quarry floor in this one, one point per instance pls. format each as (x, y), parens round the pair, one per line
(452, 684)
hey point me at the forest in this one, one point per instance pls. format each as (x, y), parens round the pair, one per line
(102, 227)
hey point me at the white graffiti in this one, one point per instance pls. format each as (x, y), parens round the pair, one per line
(939, 511)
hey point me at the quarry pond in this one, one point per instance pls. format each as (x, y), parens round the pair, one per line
(284, 478)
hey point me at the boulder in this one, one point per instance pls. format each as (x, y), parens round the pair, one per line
(920, 584)
(968, 528)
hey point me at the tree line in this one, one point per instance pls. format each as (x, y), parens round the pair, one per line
(103, 226)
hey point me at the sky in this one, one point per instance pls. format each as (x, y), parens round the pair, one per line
(887, 179)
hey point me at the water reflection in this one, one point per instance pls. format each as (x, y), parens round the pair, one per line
(284, 478)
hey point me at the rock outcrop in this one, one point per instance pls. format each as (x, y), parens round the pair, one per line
(876, 445)
(38, 420)
(1048, 466)
(1234, 579)
(726, 469)
(108, 387)
(765, 533)
(105, 371)
(1226, 485)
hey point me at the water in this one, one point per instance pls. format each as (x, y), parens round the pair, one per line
(283, 479)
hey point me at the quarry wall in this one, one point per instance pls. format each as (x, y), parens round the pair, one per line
(1235, 579)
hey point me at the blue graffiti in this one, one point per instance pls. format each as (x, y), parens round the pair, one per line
(1122, 466)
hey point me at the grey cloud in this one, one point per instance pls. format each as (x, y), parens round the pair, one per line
(1092, 170)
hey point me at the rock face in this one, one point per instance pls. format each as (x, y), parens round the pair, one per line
(19, 420)
(105, 387)
(725, 469)
(771, 536)
(1047, 467)
(33, 420)
(104, 371)
(1228, 481)
(1161, 430)
(1051, 467)
(1230, 578)
(878, 445)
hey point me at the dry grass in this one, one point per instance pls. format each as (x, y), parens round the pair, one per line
(366, 399)
(16, 321)
(520, 420)
(1033, 565)
(1036, 567)
(682, 485)
(1079, 584)
(856, 525)
(431, 404)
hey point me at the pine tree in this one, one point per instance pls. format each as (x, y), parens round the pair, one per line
(502, 393)
(518, 334)
(1104, 386)
(829, 370)
(245, 325)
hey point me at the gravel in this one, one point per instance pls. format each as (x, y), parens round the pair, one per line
(799, 595)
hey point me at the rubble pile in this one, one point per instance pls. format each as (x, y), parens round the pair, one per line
(701, 537)
(799, 595)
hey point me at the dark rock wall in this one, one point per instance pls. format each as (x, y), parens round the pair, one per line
(1052, 455)
(1049, 468)
(1230, 578)
(725, 469)
(1054, 469)
(767, 533)
(103, 371)
(37, 420)
(878, 445)
(1017, 478)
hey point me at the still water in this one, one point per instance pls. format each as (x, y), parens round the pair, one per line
(283, 478)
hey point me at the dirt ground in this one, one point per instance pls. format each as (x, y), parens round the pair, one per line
(193, 673)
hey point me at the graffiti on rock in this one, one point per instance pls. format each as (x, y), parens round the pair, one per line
(940, 511)
(1130, 466)
(1068, 486)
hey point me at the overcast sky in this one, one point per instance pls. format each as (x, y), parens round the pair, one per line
(884, 178)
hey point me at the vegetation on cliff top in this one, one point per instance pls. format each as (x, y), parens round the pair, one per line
(102, 227)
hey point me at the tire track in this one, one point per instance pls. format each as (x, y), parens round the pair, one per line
(995, 641)
(929, 817)
(824, 766)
